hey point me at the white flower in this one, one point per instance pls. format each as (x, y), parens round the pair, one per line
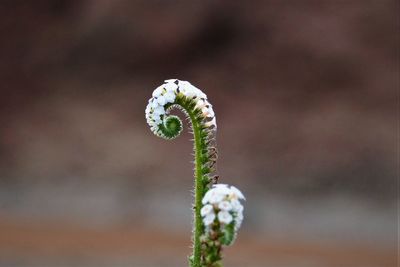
(211, 123)
(222, 189)
(157, 118)
(184, 85)
(158, 91)
(198, 92)
(216, 197)
(208, 112)
(236, 193)
(238, 221)
(206, 197)
(239, 208)
(239, 217)
(154, 103)
(159, 110)
(225, 205)
(161, 100)
(200, 104)
(209, 219)
(148, 108)
(225, 217)
(190, 93)
(169, 97)
(171, 86)
(206, 210)
(236, 206)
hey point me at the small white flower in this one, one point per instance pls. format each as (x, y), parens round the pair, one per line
(154, 103)
(236, 193)
(184, 85)
(222, 189)
(238, 221)
(200, 104)
(161, 100)
(157, 119)
(211, 123)
(206, 197)
(225, 217)
(170, 97)
(158, 91)
(225, 205)
(206, 210)
(205, 111)
(147, 110)
(198, 92)
(208, 112)
(211, 111)
(239, 208)
(190, 93)
(171, 86)
(215, 197)
(239, 217)
(236, 206)
(209, 219)
(159, 110)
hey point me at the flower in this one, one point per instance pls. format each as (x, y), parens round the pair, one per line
(159, 110)
(158, 91)
(200, 104)
(165, 96)
(236, 206)
(207, 209)
(225, 205)
(171, 86)
(209, 219)
(211, 123)
(161, 100)
(170, 97)
(222, 203)
(224, 217)
(235, 194)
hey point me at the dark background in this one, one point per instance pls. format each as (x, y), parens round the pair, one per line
(306, 99)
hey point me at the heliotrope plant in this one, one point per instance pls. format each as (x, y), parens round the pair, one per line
(218, 212)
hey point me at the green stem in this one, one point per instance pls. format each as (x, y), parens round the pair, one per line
(203, 166)
(199, 192)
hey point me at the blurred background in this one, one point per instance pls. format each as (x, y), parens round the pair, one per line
(305, 94)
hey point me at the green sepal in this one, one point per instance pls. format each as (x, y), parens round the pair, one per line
(228, 234)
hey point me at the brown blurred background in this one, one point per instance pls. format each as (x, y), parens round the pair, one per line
(305, 94)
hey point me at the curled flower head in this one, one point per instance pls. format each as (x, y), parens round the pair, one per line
(182, 94)
(222, 212)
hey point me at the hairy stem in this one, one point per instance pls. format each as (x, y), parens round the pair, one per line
(193, 103)
(199, 192)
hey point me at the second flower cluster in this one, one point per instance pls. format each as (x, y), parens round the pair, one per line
(222, 206)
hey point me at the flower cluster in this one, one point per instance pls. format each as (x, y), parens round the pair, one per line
(168, 94)
(222, 208)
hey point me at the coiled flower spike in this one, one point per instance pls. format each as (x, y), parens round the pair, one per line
(215, 223)
(178, 94)
(222, 212)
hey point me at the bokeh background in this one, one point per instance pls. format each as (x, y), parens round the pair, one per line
(306, 99)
